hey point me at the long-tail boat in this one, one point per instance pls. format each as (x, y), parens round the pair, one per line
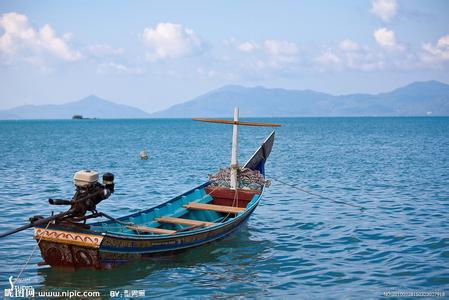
(204, 214)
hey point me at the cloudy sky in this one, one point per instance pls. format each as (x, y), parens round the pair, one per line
(152, 54)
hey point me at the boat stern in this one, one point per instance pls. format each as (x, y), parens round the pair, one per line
(70, 249)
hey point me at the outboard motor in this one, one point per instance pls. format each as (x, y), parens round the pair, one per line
(89, 192)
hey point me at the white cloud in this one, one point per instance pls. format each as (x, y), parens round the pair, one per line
(102, 50)
(349, 55)
(384, 9)
(22, 41)
(364, 60)
(280, 48)
(349, 45)
(268, 56)
(387, 39)
(56, 45)
(213, 74)
(230, 41)
(247, 46)
(168, 40)
(113, 67)
(328, 57)
(68, 36)
(437, 53)
(281, 55)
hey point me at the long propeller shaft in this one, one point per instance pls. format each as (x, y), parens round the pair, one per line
(32, 224)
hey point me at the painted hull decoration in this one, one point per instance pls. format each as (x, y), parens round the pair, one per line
(204, 214)
(71, 238)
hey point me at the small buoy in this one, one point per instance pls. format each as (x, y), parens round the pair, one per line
(143, 155)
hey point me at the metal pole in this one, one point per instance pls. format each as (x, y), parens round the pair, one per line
(234, 164)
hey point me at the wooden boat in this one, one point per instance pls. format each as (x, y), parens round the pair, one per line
(202, 215)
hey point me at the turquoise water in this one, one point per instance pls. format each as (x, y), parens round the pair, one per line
(293, 245)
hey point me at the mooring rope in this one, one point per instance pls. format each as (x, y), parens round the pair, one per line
(295, 186)
(31, 255)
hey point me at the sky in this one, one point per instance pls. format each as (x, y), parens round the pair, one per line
(153, 54)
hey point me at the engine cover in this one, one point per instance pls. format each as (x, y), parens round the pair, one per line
(85, 178)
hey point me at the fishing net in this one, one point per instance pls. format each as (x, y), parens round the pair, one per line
(247, 179)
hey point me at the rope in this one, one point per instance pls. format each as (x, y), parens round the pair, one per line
(215, 188)
(318, 195)
(31, 255)
(235, 202)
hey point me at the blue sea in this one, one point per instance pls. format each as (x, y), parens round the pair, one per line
(294, 245)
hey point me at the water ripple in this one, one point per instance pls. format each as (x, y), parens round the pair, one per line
(293, 245)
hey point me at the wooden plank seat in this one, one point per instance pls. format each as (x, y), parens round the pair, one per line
(150, 229)
(181, 221)
(214, 207)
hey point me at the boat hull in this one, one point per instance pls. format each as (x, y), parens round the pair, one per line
(67, 248)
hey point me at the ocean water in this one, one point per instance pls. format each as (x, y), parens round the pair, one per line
(294, 244)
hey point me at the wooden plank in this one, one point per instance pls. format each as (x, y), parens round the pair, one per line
(151, 229)
(236, 122)
(183, 221)
(219, 208)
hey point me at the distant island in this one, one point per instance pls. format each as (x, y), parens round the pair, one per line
(80, 117)
(425, 98)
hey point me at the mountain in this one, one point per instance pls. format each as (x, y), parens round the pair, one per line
(415, 99)
(89, 107)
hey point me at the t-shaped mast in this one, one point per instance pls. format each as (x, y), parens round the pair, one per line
(235, 123)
